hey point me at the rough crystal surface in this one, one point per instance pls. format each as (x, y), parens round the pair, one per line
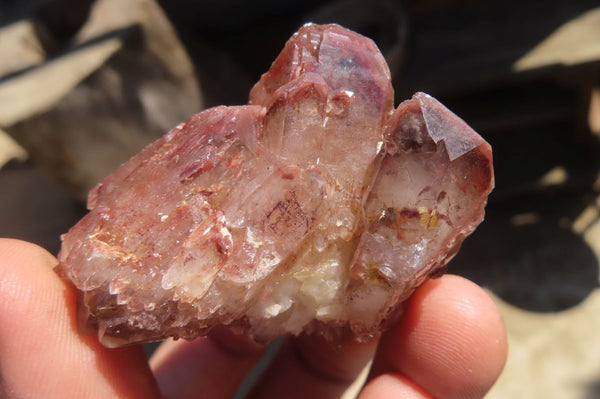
(316, 208)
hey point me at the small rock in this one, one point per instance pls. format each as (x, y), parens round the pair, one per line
(316, 208)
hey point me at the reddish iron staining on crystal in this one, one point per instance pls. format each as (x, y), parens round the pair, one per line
(316, 208)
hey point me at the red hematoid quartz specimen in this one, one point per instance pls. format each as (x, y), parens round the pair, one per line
(315, 208)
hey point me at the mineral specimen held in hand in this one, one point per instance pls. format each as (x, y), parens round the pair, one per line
(316, 208)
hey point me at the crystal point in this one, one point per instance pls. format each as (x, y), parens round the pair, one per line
(317, 208)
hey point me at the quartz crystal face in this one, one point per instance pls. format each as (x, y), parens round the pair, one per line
(317, 208)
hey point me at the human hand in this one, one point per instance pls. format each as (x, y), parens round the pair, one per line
(450, 343)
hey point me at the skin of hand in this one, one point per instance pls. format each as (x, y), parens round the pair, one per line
(450, 343)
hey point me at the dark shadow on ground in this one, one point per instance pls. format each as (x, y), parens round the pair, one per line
(527, 254)
(592, 390)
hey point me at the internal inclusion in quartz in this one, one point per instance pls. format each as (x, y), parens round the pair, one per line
(316, 208)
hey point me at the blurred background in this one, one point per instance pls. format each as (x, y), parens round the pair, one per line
(85, 84)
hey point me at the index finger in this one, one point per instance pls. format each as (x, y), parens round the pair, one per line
(42, 355)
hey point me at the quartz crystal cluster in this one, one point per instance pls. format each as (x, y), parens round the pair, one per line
(316, 208)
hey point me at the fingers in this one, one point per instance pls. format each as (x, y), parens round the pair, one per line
(41, 353)
(214, 367)
(451, 343)
(310, 367)
(210, 367)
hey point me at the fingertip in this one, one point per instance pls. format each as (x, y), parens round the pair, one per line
(37, 321)
(451, 340)
(393, 385)
(26, 282)
(18, 252)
